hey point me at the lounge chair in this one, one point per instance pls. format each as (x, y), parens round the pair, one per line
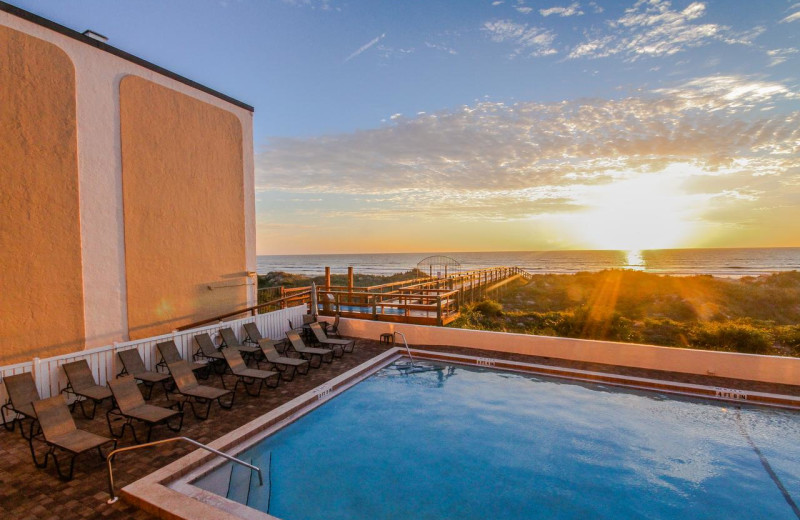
(83, 386)
(22, 392)
(253, 334)
(169, 354)
(346, 345)
(131, 407)
(332, 329)
(320, 354)
(287, 366)
(59, 432)
(208, 351)
(186, 386)
(132, 364)
(229, 341)
(249, 376)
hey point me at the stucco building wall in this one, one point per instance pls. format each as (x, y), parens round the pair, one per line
(96, 130)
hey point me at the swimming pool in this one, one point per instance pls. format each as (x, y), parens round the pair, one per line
(471, 442)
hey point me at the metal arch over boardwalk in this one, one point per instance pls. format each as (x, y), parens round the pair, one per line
(438, 266)
(423, 301)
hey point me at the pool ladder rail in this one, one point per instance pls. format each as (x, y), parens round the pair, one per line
(113, 497)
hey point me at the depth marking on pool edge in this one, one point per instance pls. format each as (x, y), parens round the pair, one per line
(322, 391)
(484, 362)
(730, 393)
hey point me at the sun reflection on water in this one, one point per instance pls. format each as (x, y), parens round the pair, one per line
(634, 260)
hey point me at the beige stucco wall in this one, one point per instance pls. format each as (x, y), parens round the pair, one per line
(96, 103)
(771, 369)
(183, 200)
(41, 285)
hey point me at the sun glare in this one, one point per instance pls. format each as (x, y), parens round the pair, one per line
(646, 212)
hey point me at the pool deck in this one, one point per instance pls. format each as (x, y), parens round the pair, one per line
(30, 493)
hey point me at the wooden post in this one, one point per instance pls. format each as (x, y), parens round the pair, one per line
(350, 279)
(439, 320)
(283, 295)
(327, 278)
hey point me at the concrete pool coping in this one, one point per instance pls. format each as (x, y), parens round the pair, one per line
(168, 492)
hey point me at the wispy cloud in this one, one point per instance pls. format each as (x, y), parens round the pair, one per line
(365, 47)
(571, 10)
(324, 5)
(526, 40)
(793, 17)
(508, 161)
(778, 56)
(653, 28)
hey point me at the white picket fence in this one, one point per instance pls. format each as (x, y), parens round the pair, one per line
(105, 365)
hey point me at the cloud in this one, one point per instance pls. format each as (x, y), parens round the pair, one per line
(652, 28)
(441, 47)
(507, 161)
(530, 41)
(365, 47)
(794, 16)
(571, 10)
(324, 5)
(778, 56)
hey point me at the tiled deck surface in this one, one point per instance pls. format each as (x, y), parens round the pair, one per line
(30, 493)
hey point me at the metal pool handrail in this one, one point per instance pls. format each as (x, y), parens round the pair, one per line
(408, 351)
(110, 457)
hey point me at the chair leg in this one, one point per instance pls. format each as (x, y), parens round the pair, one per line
(180, 424)
(68, 476)
(229, 405)
(288, 372)
(94, 408)
(149, 387)
(5, 419)
(277, 378)
(305, 370)
(33, 455)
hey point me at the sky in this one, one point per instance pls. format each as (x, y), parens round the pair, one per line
(480, 125)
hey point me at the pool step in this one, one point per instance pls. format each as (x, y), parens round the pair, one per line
(259, 496)
(239, 483)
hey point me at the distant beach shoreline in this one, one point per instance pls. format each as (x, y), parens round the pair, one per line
(725, 263)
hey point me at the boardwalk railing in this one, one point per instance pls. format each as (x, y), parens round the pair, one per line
(103, 361)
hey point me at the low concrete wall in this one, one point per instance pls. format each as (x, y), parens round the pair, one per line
(770, 369)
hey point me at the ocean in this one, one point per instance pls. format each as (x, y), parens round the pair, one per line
(732, 263)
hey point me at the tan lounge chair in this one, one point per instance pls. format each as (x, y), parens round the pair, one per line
(132, 364)
(249, 376)
(253, 334)
(131, 407)
(60, 433)
(83, 386)
(346, 345)
(208, 351)
(320, 354)
(193, 392)
(22, 392)
(229, 341)
(169, 354)
(287, 366)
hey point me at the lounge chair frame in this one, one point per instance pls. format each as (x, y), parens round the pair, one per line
(130, 407)
(191, 392)
(288, 367)
(208, 351)
(344, 345)
(320, 354)
(249, 377)
(170, 354)
(82, 385)
(22, 392)
(230, 341)
(59, 433)
(133, 364)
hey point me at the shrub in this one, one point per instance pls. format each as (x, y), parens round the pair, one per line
(664, 332)
(732, 335)
(489, 308)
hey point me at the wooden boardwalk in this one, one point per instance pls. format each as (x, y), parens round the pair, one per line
(424, 301)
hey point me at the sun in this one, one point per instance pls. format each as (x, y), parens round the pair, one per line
(645, 212)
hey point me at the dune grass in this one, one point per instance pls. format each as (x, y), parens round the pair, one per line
(758, 315)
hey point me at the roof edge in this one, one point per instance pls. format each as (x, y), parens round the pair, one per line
(75, 35)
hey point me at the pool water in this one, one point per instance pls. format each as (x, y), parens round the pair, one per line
(465, 442)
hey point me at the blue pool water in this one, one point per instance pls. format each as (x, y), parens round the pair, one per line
(465, 442)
